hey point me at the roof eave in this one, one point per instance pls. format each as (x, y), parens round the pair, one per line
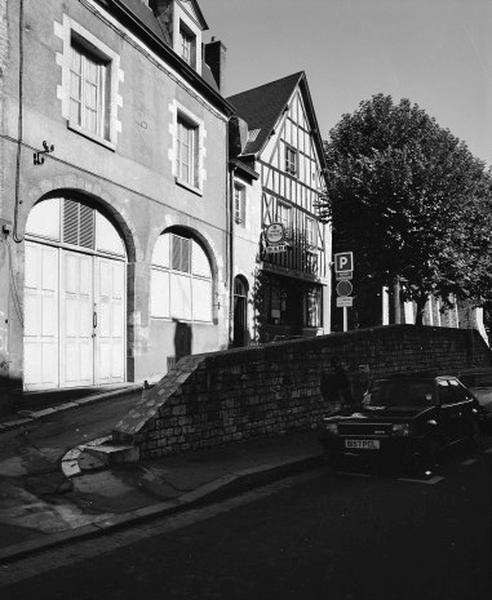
(188, 73)
(316, 131)
(237, 163)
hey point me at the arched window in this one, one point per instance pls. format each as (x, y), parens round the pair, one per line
(181, 285)
(74, 223)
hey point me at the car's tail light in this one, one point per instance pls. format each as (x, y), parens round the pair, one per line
(401, 429)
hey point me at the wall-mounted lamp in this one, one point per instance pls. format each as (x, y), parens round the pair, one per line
(38, 157)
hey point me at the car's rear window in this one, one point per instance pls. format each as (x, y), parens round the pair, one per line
(404, 393)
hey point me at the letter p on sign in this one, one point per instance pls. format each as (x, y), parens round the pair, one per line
(344, 261)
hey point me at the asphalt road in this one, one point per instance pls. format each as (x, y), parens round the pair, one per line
(311, 536)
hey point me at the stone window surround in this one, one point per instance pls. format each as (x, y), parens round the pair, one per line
(178, 110)
(65, 32)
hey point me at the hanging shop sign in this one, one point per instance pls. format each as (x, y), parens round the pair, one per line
(275, 234)
(276, 248)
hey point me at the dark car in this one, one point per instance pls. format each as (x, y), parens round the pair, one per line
(479, 381)
(404, 420)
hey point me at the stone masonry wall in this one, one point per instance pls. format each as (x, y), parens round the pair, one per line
(223, 397)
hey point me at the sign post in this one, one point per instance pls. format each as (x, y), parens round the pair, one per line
(344, 270)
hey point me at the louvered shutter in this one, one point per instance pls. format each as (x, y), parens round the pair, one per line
(78, 224)
(180, 254)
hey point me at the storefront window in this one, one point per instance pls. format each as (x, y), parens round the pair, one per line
(312, 313)
(276, 305)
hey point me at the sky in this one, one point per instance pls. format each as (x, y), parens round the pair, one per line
(437, 53)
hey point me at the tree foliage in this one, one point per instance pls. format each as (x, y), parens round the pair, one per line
(411, 201)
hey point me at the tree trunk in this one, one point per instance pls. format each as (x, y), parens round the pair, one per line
(419, 317)
(396, 301)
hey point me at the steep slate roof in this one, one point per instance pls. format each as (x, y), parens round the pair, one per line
(143, 16)
(261, 107)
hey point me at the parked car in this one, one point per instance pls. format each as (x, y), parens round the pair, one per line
(479, 381)
(403, 420)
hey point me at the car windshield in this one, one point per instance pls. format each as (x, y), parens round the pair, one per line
(399, 394)
(476, 379)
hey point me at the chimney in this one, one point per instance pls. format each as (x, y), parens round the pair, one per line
(215, 57)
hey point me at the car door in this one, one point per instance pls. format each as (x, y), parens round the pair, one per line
(466, 407)
(450, 418)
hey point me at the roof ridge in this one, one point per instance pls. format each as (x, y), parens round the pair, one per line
(296, 75)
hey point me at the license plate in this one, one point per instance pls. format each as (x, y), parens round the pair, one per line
(362, 444)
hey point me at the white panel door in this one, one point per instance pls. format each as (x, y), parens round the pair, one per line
(110, 278)
(41, 317)
(77, 341)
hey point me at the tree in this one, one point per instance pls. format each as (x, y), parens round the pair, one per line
(411, 201)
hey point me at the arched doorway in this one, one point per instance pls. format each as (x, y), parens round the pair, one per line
(74, 297)
(181, 299)
(240, 311)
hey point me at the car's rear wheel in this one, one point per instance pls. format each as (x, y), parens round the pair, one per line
(472, 435)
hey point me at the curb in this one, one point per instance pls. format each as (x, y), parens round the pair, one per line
(92, 399)
(227, 485)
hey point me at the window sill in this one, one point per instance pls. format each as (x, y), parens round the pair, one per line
(90, 136)
(189, 187)
(182, 320)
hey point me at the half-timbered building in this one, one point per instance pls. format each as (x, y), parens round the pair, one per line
(287, 279)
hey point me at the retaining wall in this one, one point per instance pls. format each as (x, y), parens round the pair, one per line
(223, 397)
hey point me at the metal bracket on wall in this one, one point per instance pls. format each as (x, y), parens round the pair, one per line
(38, 157)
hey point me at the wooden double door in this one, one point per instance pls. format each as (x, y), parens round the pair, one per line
(74, 318)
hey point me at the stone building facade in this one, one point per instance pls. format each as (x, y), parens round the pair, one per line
(113, 206)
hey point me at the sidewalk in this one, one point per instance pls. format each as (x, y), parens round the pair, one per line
(40, 506)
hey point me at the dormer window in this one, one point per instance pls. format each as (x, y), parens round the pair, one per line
(187, 45)
(186, 29)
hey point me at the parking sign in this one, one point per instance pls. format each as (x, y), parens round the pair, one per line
(344, 262)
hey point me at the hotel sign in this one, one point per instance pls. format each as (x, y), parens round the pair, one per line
(275, 238)
(275, 234)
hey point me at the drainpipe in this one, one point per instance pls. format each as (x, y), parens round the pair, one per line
(20, 124)
(230, 235)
